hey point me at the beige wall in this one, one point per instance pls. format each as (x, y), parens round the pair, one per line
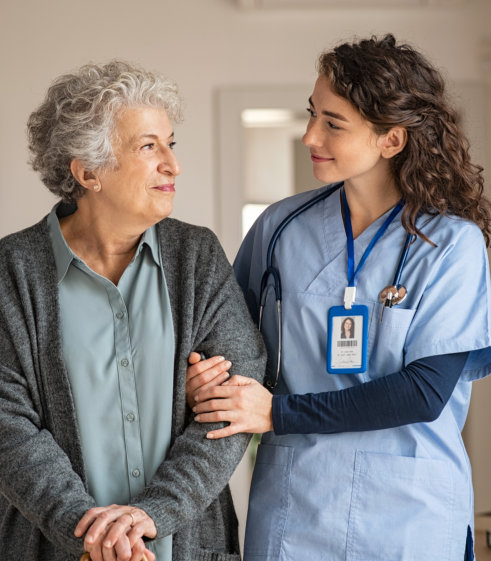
(206, 45)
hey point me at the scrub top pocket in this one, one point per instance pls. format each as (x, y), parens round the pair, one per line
(268, 503)
(401, 509)
(390, 335)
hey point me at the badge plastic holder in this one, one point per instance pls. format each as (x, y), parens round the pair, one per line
(344, 358)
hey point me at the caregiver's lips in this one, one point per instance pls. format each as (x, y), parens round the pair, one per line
(317, 158)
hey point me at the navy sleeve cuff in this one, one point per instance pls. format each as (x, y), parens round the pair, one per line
(277, 412)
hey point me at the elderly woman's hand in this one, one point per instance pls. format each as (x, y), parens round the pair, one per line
(203, 374)
(123, 552)
(114, 533)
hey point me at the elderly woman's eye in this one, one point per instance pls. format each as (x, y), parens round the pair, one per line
(171, 145)
(148, 146)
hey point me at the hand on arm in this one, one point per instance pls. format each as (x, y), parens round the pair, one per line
(115, 533)
(203, 374)
(240, 401)
(415, 394)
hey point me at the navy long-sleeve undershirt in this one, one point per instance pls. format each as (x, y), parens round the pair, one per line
(417, 393)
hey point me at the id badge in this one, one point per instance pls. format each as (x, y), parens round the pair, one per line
(347, 336)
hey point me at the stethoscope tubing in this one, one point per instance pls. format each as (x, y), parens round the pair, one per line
(284, 223)
(272, 271)
(402, 260)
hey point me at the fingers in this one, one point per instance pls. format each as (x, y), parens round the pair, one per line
(247, 407)
(229, 430)
(122, 550)
(204, 375)
(110, 554)
(111, 524)
(87, 519)
(139, 550)
(224, 410)
(213, 376)
(218, 380)
(100, 524)
(216, 398)
(214, 365)
(238, 380)
(135, 523)
(215, 417)
(122, 525)
(149, 556)
(115, 533)
(226, 390)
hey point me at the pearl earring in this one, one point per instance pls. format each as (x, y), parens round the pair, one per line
(97, 188)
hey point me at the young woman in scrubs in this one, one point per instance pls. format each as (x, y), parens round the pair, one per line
(362, 457)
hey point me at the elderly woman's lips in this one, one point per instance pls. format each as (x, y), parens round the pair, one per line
(169, 188)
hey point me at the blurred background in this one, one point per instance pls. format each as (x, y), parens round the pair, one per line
(245, 69)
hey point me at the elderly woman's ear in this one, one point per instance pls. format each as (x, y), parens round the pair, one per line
(87, 179)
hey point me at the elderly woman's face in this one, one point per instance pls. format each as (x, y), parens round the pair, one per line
(141, 187)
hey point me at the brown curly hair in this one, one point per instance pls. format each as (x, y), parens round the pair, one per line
(394, 85)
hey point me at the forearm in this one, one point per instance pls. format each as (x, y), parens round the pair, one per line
(193, 475)
(415, 394)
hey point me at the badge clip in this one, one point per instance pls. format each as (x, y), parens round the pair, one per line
(349, 297)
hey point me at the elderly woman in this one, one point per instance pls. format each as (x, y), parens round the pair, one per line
(100, 305)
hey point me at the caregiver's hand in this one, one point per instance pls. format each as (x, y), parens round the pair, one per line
(203, 374)
(240, 401)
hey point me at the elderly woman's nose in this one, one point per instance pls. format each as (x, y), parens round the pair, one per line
(169, 164)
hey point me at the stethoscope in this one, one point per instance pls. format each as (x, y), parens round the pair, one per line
(390, 295)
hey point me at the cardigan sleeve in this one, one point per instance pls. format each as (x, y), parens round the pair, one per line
(39, 482)
(211, 317)
(36, 475)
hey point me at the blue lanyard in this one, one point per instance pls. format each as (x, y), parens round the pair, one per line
(352, 272)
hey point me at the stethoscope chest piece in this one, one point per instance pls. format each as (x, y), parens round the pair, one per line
(392, 295)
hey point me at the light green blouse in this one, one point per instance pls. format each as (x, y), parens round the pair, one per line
(118, 347)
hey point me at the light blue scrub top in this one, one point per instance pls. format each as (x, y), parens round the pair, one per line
(118, 348)
(399, 494)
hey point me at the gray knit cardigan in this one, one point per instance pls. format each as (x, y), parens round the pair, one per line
(43, 491)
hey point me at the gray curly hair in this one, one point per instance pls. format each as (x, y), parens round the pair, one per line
(77, 120)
